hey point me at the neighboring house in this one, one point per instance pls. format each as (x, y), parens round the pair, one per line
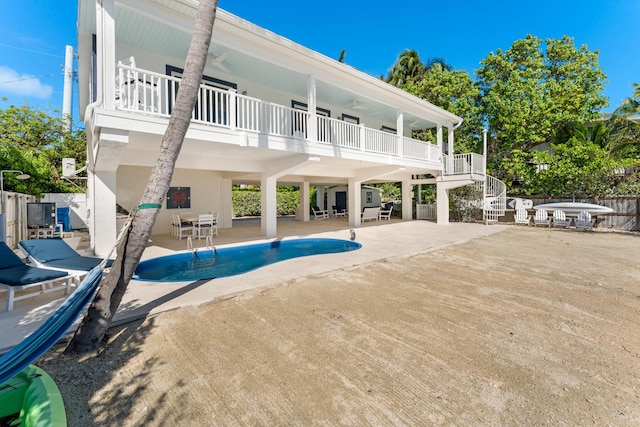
(269, 112)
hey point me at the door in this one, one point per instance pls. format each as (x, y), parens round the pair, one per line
(341, 200)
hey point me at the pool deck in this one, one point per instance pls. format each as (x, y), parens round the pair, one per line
(380, 240)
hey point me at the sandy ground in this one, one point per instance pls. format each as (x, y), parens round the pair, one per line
(523, 327)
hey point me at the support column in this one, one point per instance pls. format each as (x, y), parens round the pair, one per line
(320, 197)
(354, 202)
(450, 140)
(106, 55)
(407, 201)
(226, 216)
(269, 212)
(442, 204)
(102, 218)
(304, 200)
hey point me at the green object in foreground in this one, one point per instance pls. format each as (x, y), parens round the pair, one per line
(31, 398)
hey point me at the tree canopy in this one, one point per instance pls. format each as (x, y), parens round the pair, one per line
(534, 87)
(542, 102)
(35, 142)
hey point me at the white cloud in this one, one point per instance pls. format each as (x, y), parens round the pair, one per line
(22, 84)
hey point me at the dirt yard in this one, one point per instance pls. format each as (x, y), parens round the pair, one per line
(524, 327)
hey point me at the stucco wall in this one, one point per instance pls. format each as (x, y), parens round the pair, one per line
(205, 188)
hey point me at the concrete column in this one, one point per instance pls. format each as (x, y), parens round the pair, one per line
(102, 218)
(442, 204)
(269, 211)
(226, 216)
(304, 200)
(407, 201)
(354, 202)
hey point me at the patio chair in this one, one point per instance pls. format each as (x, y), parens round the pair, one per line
(339, 212)
(386, 212)
(370, 214)
(319, 213)
(184, 228)
(560, 219)
(15, 275)
(56, 254)
(584, 221)
(205, 226)
(542, 218)
(522, 217)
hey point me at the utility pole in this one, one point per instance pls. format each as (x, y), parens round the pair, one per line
(68, 87)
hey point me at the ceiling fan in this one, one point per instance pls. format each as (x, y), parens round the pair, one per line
(356, 105)
(218, 61)
(413, 123)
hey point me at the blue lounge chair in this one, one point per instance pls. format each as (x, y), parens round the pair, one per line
(58, 255)
(15, 275)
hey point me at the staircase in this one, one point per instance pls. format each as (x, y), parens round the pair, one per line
(469, 169)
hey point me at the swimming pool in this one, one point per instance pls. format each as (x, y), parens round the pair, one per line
(212, 263)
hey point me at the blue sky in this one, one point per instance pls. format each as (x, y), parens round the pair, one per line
(34, 33)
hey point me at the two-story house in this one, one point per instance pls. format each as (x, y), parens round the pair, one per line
(269, 112)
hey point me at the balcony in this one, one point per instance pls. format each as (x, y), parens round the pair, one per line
(146, 92)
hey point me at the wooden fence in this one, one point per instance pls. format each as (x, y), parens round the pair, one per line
(15, 210)
(625, 216)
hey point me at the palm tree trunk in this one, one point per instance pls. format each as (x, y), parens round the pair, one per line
(90, 335)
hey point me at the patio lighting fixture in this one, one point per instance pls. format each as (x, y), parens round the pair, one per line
(21, 175)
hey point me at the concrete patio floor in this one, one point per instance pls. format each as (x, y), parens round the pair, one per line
(383, 240)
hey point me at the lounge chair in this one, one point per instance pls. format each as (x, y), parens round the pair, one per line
(15, 275)
(584, 221)
(56, 254)
(370, 214)
(560, 219)
(542, 218)
(319, 213)
(522, 217)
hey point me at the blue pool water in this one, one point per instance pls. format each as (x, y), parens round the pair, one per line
(224, 262)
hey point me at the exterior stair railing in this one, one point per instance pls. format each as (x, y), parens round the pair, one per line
(495, 199)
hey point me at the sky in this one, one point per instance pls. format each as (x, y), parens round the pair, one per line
(34, 34)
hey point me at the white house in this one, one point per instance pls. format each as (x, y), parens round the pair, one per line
(269, 112)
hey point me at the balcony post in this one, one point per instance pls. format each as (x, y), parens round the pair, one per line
(232, 108)
(400, 127)
(363, 134)
(312, 126)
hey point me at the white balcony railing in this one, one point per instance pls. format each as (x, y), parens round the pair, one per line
(464, 164)
(154, 93)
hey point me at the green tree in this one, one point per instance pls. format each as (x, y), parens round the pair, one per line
(36, 142)
(90, 335)
(631, 105)
(454, 91)
(624, 124)
(407, 68)
(534, 87)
